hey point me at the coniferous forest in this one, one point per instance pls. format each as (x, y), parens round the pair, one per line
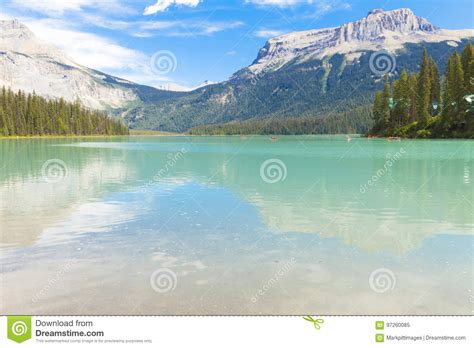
(353, 121)
(23, 114)
(426, 105)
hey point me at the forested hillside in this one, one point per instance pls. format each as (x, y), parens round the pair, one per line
(28, 114)
(358, 120)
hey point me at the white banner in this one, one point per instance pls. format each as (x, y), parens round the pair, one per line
(241, 331)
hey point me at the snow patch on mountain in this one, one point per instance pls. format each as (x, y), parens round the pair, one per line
(32, 65)
(174, 87)
(387, 30)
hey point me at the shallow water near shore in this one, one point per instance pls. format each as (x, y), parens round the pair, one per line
(236, 225)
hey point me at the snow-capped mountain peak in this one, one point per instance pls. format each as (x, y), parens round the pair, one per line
(32, 65)
(378, 22)
(388, 30)
(17, 37)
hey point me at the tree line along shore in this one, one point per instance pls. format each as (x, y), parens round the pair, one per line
(26, 114)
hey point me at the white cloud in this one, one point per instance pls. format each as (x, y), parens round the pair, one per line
(49, 6)
(103, 22)
(326, 6)
(210, 28)
(162, 5)
(94, 51)
(183, 28)
(279, 3)
(59, 7)
(266, 33)
(322, 6)
(85, 48)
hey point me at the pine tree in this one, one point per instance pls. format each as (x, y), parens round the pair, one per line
(413, 93)
(385, 106)
(424, 90)
(467, 58)
(458, 90)
(471, 78)
(448, 99)
(3, 123)
(377, 111)
(395, 117)
(401, 96)
(435, 95)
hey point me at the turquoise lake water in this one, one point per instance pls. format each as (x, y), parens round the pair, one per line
(236, 225)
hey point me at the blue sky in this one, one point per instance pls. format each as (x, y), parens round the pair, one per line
(206, 39)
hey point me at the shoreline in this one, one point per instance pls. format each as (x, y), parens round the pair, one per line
(415, 138)
(164, 134)
(58, 136)
(84, 136)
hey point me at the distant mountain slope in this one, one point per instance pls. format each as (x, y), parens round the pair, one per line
(178, 88)
(311, 73)
(29, 64)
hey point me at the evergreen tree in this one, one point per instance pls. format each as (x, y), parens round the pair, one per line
(413, 93)
(471, 78)
(467, 58)
(458, 90)
(448, 92)
(3, 123)
(401, 96)
(424, 89)
(435, 93)
(395, 117)
(385, 107)
(377, 111)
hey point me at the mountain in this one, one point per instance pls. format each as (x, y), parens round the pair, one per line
(389, 31)
(323, 73)
(311, 73)
(174, 87)
(205, 84)
(30, 64)
(178, 88)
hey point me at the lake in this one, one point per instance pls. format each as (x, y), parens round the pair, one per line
(236, 225)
